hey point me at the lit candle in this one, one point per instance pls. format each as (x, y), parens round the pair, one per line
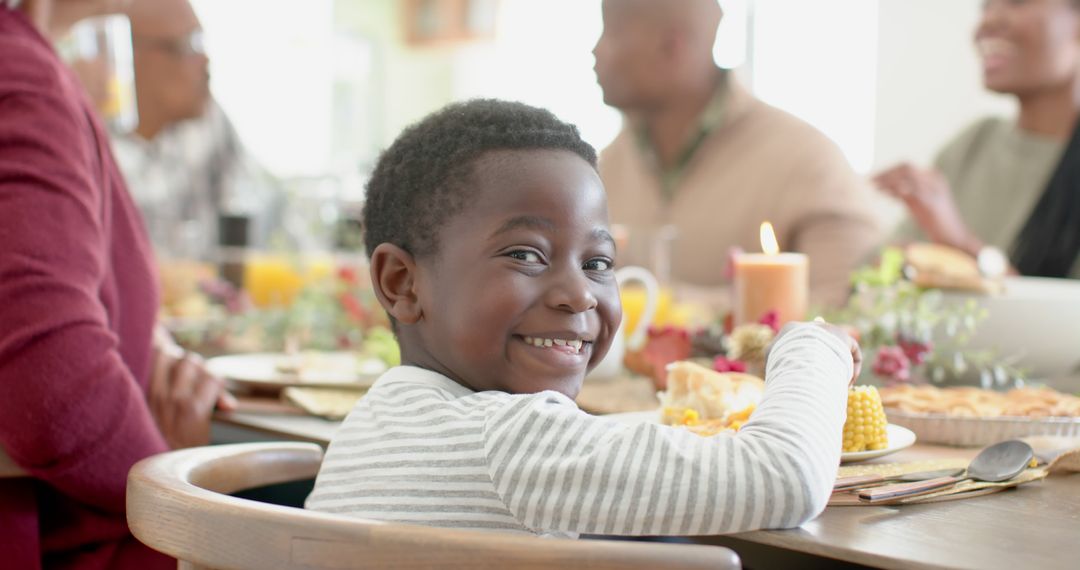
(770, 281)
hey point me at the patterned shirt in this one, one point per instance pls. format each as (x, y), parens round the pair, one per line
(421, 449)
(189, 175)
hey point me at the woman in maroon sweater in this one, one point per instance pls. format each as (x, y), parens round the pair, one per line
(78, 298)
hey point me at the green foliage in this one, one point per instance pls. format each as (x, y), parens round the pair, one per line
(884, 313)
(886, 309)
(380, 343)
(331, 313)
(889, 270)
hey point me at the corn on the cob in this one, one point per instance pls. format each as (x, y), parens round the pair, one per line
(865, 426)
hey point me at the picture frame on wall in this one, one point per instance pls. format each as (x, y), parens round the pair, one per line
(434, 22)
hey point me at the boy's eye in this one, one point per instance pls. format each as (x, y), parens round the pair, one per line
(598, 264)
(525, 255)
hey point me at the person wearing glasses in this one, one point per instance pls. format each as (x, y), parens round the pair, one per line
(184, 162)
(1007, 191)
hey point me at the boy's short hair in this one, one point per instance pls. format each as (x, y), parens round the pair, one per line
(422, 179)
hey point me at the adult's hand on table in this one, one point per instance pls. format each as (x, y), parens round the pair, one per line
(184, 394)
(929, 199)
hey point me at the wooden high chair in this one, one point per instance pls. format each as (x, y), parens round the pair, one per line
(178, 503)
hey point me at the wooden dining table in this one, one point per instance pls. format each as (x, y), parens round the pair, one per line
(1036, 525)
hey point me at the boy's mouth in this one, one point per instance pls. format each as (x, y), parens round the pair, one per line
(571, 346)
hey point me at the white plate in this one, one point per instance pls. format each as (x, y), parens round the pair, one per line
(899, 437)
(315, 369)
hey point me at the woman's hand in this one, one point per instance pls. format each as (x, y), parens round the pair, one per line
(183, 394)
(930, 202)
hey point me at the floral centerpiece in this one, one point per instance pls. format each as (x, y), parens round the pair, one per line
(720, 346)
(910, 333)
(333, 310)
(331, 313)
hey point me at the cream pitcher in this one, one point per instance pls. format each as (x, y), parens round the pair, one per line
(612, 364)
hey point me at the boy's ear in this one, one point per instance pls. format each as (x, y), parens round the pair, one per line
(393, 275)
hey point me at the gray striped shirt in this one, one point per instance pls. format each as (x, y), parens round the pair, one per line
(421, 449)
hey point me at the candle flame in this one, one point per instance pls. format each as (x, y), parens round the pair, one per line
(768, 239)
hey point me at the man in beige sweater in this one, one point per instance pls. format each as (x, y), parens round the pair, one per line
(698, 151)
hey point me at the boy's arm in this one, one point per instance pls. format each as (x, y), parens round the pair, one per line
(557, 468)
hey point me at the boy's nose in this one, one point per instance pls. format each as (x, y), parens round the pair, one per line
(571, 292)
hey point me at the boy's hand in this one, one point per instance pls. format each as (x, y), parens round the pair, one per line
(838, 332)
(183, 394)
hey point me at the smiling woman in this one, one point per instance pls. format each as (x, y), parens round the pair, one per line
(1004, 184)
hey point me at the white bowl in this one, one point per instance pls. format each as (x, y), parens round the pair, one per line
(1036, 319)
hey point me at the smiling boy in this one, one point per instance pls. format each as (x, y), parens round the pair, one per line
(486, 228)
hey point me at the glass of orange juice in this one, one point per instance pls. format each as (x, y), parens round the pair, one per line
(668, 311)
(272, 280)
(275, 279)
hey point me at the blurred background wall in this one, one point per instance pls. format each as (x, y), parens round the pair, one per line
(888, 80)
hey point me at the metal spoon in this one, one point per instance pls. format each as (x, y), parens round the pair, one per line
(999, 462)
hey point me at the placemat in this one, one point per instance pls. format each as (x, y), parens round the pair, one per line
(964, 490)
(329, 403)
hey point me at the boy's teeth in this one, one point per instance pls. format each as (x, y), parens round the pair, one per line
(549, 342)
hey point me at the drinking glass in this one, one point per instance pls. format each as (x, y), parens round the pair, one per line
(99, 51)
